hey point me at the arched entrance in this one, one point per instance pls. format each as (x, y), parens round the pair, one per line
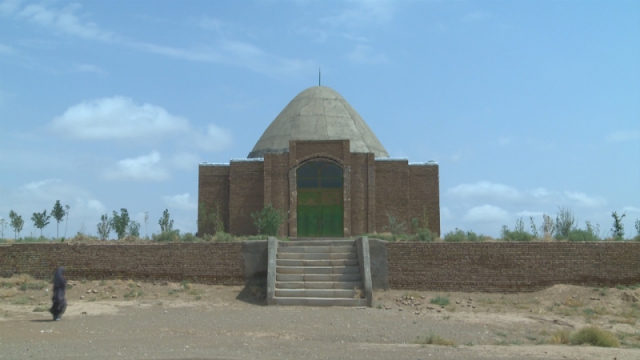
(320, 201)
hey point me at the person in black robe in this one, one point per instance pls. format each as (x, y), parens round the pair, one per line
(59, 301)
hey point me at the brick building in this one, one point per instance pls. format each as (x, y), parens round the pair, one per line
(321, 164)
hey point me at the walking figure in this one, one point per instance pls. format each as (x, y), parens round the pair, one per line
(59, 301)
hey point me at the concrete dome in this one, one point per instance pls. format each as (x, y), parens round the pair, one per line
(318, 113)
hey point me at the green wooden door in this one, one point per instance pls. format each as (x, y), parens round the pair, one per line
(320, 200)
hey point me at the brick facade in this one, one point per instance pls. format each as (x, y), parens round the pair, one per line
(372, 188)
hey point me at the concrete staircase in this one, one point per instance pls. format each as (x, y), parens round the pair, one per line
(318, 273)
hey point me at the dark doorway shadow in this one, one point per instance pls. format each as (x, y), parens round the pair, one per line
(255, 290)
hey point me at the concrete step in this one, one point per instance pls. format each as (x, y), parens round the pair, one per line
(319, 285)
(340, 262)
(318, 278)
(318, 293)
(318, 249)
(317, 256)
(319, 301)
(311, 270)
(307, 242)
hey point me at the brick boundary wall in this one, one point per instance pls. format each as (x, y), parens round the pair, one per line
(482, 267)
(511, 267)
(207, 263)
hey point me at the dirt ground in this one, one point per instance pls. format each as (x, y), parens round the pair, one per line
(144, 320)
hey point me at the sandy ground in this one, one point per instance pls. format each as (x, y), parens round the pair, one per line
(124, 319)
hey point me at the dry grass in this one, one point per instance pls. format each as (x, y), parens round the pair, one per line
(8, 292)
(594, 336)
(574, 303)
(560, 337)
(435, 340)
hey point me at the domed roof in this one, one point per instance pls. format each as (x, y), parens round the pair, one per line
(318, 113)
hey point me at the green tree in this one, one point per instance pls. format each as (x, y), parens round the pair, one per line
(565, 222)
(268, 220)
(120, 223)
(165, 222)
(618, 227)
(16, 223)
(58, 214)
(40, 220)
(104, 227)
(134, 229)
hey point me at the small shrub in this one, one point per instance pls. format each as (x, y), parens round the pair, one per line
(581, 235)
(167, 236)
(189, 237)
(20, 300)
(40, 309)
(223, 236)
(185, 284)
(433, 339)
(134, 294)
(459, 235)
(455, 236)
(268, 220)
(32, 286)
(394, 225)
(439, 300)
(560, 337)
(594, 336)
(425, 235)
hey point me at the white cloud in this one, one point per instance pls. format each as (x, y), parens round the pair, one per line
(583, 199)
(475, 16)
(486, 190)
(362, 13)
(539, 192)
(527, 214)
(64, 21)
(504, 140)
(142, 168)
(42, 194)
(215, 138)
(8, 7)
(119, 118)
(236, 53)
(623, 135)
(185, 161)
(209, 23)
(486, 213)
(364, 54)
(6, 50)
(88, 68)
(180, 202)
(231, 52)
(631, 209)
(445, 213)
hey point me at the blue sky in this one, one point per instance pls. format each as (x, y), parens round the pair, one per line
(526, 105)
